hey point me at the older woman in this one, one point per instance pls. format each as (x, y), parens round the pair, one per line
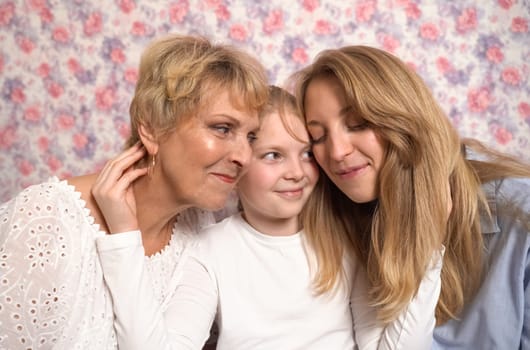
(193, 116)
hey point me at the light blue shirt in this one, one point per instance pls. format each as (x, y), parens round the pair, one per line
(499, 315)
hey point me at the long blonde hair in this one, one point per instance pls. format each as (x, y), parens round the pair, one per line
(396, 235)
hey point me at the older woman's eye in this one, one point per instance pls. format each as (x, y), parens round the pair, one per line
(222, 128)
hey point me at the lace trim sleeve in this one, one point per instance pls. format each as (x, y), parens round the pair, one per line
(48, 267)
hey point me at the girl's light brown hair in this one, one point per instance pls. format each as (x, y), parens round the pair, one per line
(395, 236)
(282, 102)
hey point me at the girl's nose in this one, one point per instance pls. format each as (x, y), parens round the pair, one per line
(295, 170)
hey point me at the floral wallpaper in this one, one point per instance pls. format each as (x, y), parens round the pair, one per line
(68, 68)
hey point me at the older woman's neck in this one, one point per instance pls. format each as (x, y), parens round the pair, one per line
(157, 210)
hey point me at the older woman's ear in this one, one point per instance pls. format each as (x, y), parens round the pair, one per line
(148, 139)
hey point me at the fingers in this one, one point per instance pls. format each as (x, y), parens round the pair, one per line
(113, 192)
(120, 185)
(114, 169)
(118, 174)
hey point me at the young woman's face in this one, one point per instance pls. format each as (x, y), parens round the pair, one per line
(347, 149)
(280, 177)
(202, 160)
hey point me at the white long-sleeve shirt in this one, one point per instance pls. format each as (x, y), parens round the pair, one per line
(259, 287)
(52, 291)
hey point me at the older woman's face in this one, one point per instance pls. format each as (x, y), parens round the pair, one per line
(348, 151)
(201, 161)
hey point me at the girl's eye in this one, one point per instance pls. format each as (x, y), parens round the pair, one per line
(272, 156)
(307, 155)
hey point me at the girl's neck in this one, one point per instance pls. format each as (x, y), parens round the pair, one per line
(273, 227)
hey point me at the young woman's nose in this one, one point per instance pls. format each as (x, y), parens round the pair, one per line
(339, 145)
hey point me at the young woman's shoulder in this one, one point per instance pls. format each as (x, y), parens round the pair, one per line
(509, 191)
(509, 204)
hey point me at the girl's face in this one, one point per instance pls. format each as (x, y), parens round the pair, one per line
(347, 149)
(280, 176)
(202, 160)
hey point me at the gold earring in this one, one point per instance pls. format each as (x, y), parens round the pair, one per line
(151, 167)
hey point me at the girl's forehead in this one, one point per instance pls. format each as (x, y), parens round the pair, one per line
(285, 126)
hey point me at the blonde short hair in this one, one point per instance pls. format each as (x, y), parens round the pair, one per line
(179, 75)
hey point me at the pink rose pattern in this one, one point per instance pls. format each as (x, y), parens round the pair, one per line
(68, 68)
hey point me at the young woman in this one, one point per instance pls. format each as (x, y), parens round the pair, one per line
(389, 154)
(193, 115)
(255, 271)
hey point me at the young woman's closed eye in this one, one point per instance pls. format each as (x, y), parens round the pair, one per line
(357, 126)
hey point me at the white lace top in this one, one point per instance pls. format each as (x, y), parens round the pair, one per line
(52, 291)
